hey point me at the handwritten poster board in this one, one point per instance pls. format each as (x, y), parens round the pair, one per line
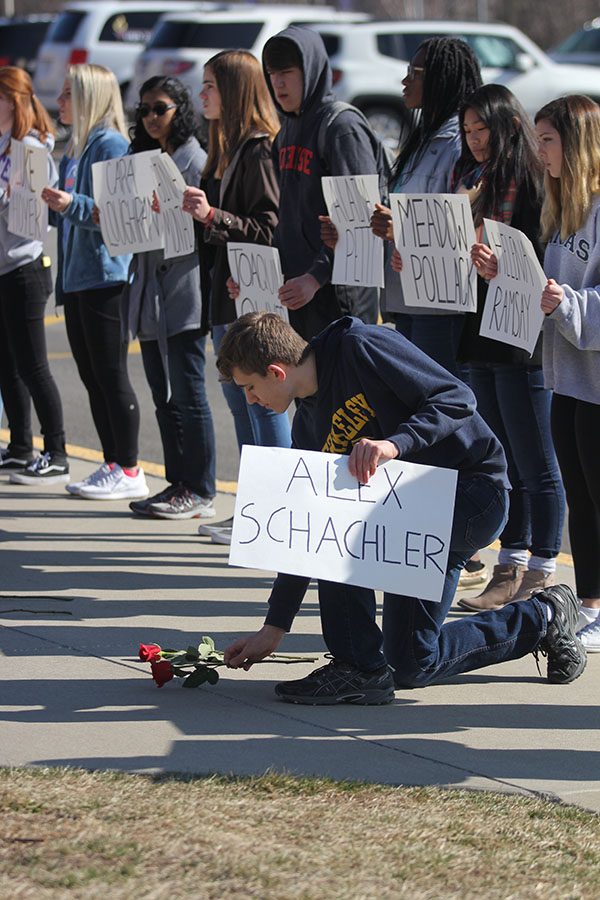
(27, 212)
(257, 270)
(512, 313)
(177, 226)
(301, 512)
(358, 257)
(123, 189)
(434, 234)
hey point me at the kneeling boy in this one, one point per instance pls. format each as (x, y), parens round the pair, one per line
(417, 412)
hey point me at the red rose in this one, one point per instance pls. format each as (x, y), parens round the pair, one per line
(161, 671)
(148, 652)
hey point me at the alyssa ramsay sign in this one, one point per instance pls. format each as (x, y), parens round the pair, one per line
(301, 512)
(512, 313)
(434, 234)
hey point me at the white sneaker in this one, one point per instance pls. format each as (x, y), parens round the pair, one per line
(590, 636)
(221, 536)
(116, 485)
(584, 618)
(75, 486)
(207, 530)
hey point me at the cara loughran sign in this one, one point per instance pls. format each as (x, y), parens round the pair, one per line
(434, 234)
(301, 512)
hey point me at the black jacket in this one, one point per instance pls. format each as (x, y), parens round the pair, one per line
(475, 349)
(246, 212)
(350, 150)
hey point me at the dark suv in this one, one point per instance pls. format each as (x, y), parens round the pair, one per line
(20, 39)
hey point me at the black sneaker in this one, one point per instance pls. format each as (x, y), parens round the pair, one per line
(565, 652)
(339, 682)
(10, 463)
(142, 507)
(183, 504)
(49, 468)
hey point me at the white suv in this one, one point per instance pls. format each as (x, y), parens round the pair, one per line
(182, 43)
(110, 34)
(369, 62)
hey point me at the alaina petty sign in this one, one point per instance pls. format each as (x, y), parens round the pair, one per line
(301, 512)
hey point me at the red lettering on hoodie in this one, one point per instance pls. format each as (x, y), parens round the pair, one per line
(294, 157)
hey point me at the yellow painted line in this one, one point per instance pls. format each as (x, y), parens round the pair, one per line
(53, 320)
(134, 349)
(225, 487)
(89, 455)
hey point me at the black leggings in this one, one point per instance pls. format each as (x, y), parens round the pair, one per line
(576, 435)
(24, 369)
(94, 330)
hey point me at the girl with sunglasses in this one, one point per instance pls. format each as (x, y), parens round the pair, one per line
(568, 132)
(25, 285)
(90, 282)
(237, 201)
(164, 309)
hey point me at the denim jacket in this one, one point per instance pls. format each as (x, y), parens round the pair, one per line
(86, 263)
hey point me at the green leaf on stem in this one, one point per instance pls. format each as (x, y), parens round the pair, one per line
(198, 677)
(212, 676)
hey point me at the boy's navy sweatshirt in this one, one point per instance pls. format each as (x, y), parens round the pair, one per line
(374, 383)
(349, 151)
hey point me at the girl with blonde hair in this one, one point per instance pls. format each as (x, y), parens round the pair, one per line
(238, 200)
(568, 132)
(90, 282)
(25, 285)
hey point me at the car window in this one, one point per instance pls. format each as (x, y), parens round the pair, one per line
(63, 30)
(129, 27)
(332, 43)
(581, 42)
(206, 35)
(395, 45)
(21, 40)
(493, 51)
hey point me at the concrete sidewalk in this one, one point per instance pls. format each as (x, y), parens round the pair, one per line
(82, 583)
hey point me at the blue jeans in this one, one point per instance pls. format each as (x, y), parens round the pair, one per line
(185, 421)
(437, 336)
(253, 424)
(514, 403)
(415, 641)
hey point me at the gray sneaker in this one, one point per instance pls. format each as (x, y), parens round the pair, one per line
(565, 653)
(339, 682)
(183, 504)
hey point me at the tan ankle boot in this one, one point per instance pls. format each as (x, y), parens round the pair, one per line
(505, 583)
(533, 582)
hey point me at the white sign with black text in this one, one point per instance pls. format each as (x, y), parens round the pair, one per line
(358, 256)
(512, 313)
(301, 512)
(123, 192)
(257, 270)
(27, 212)
(177, 226)
(434, 234)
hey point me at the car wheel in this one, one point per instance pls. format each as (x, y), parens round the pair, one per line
(388, 123)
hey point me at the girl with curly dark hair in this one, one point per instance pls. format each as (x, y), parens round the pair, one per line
(164, 309)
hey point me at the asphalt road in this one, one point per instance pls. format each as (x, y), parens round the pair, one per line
(78, 421)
